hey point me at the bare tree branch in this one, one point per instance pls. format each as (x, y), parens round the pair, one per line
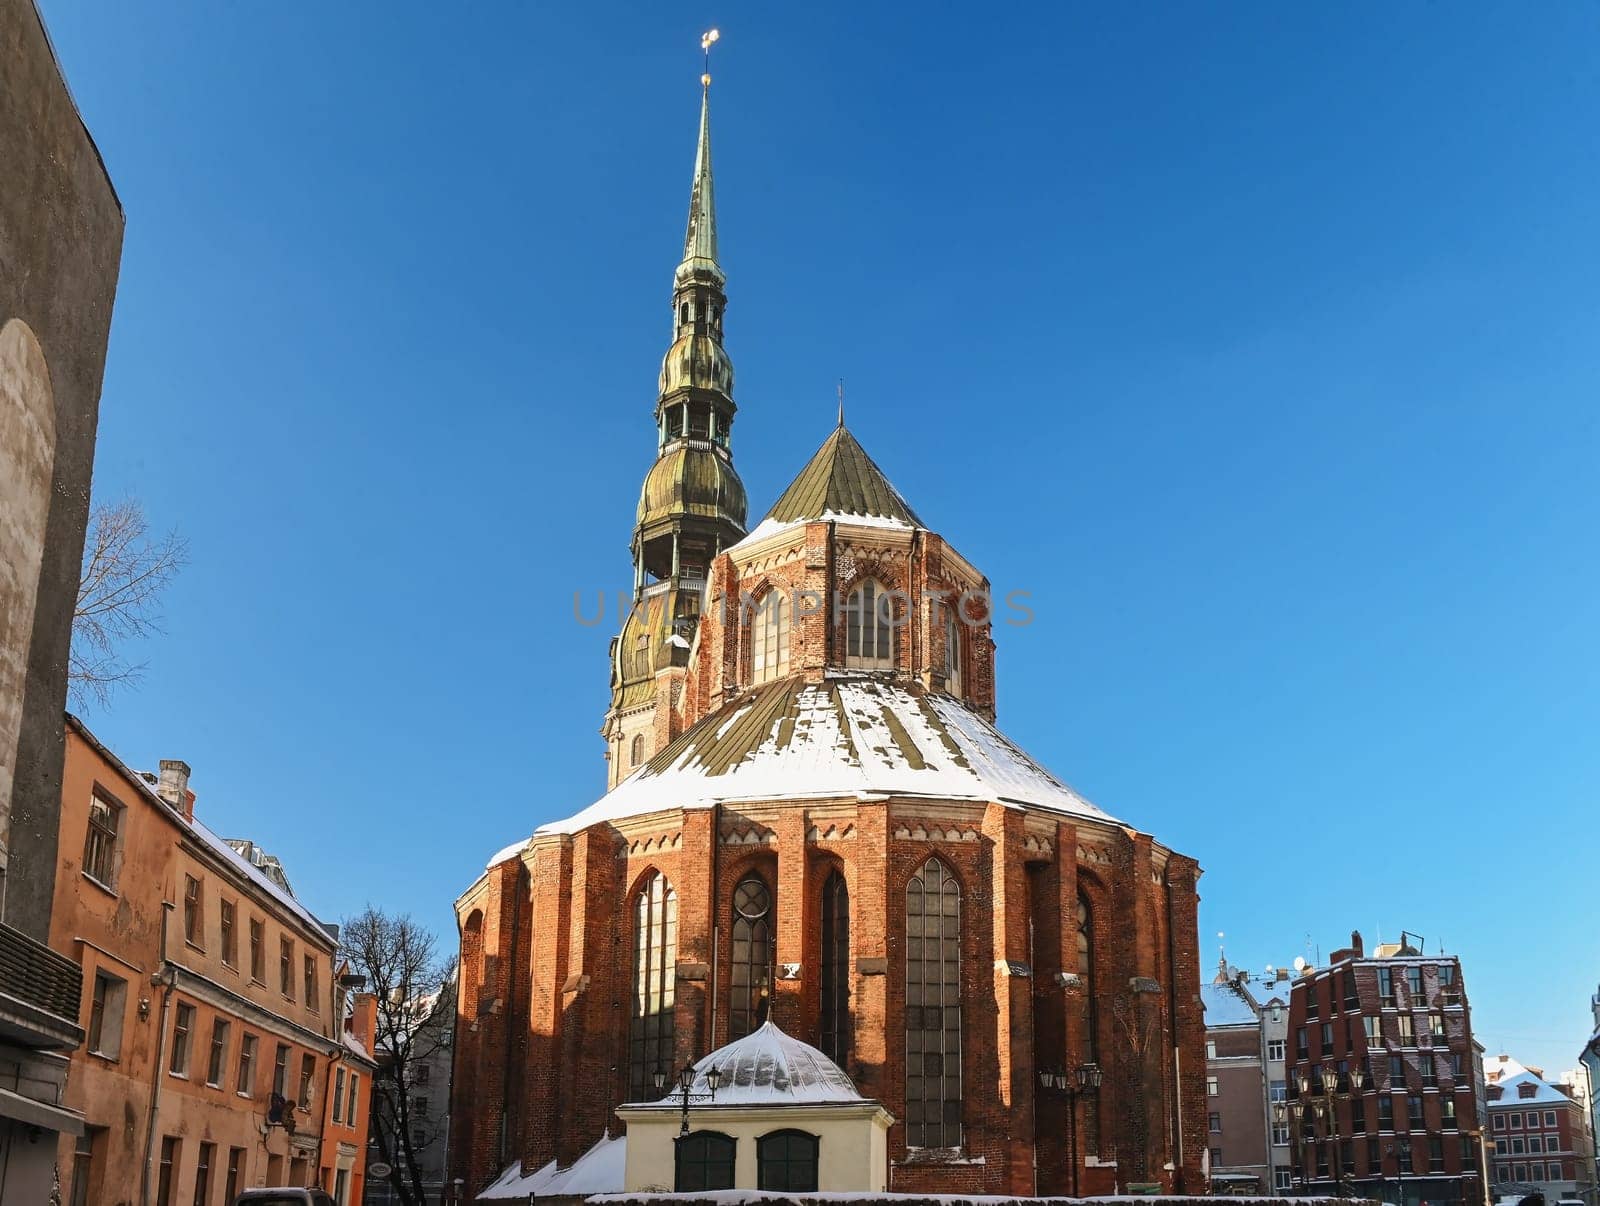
(405, 974)
(124, 574)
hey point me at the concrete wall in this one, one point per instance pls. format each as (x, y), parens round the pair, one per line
(60, 246)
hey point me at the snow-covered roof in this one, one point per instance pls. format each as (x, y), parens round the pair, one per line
(769, 1067)
(859, 738)
(510, 851)
(281, 894)
(598, 1170)
(1510, 1076)
(356, 1047)
(1225, 1005)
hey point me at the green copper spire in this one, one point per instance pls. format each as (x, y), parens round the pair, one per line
(700, 241)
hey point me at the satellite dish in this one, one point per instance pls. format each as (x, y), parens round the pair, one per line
(1299, 963)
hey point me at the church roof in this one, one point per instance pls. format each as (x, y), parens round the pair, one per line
(769, 1067)
(842, 481)
(860, 738)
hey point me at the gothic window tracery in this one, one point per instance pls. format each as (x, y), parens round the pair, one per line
(952, 652)
(655, 961)
(933, 1007)
(835, 969)
(769, 638)
(1091, 1021)
(869, 629)
(750, 960)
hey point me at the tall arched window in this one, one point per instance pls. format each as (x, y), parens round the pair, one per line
(933, 1008)
(868, 632)
(952, 652)
(836, 969)
(655, 964)
(636, 750)
(786, 1160)
(751, 958)
(769, 638)
(1091, 1021)
(704, 1160)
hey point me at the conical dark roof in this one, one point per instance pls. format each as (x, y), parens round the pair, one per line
(841, 479)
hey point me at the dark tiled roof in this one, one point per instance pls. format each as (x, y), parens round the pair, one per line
(842, 479)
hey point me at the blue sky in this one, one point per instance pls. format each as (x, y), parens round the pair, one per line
(1256, 342)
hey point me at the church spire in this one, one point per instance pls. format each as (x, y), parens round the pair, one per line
(692, 503)
(700, 239)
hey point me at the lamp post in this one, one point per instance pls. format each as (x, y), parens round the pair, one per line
(1085, 1078)
(1330, 1090)
(1289, 1113)
(685, 1084)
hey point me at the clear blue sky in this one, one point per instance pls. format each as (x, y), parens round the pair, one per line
(1257, 342)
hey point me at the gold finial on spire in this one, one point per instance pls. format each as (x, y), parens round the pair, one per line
(841, 401)
(710, 36)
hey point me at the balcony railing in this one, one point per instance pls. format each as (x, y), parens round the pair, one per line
(40, 992)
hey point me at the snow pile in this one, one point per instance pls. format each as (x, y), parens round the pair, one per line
(598, 1171)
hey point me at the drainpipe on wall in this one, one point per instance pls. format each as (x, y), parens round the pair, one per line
(167, 979)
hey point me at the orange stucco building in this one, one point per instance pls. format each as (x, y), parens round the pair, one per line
(216, 1041)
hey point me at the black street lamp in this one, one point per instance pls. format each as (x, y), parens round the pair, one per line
(685, 1083)
(1085, 1078)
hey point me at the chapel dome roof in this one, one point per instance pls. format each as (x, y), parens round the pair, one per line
(770, 1067)
(692, 478)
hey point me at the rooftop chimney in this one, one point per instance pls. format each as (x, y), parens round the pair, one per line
(1356, 945)
(173, 786)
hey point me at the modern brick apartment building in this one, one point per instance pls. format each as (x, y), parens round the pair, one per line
(1382, 1078)
(1539, 1134)
(814, 819)
(213, 1017)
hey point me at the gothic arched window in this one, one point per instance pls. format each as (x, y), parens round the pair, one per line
(836, 969)
(769, 638)
(655, 965)
(933, 1007)
(786, 1161)
(952, 651)
(751, 958)
(868, 630)
(1086, 975)
(704, 1160)
(636, 750)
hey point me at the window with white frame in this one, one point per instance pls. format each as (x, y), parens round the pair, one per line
(1275, 1050)
(869, 627)
(1211, 1086)
(769, 638)
(1282, 1178)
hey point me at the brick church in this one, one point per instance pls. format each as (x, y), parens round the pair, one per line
(812, 819)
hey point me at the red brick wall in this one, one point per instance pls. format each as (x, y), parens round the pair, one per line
(563, 1027)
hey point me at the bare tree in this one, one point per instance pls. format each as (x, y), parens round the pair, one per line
(119, 594)
(411, 984)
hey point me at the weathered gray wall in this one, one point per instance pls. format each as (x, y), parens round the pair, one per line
(60, 246)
